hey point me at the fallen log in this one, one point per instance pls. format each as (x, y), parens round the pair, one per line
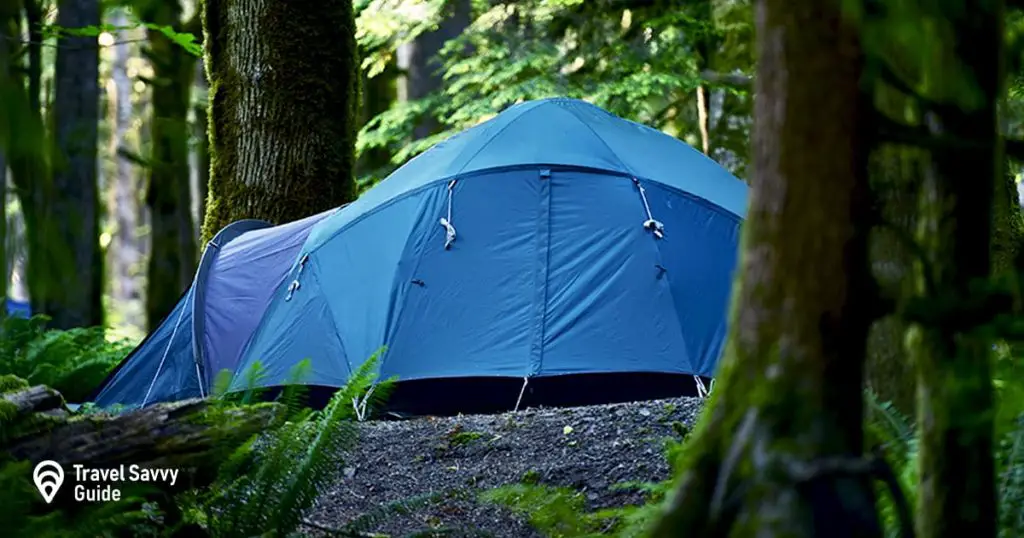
(191, 436)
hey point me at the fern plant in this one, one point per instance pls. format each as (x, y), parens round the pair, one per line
(266, 485)
(71, 361)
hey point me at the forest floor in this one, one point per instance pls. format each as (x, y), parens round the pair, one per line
(454, 459)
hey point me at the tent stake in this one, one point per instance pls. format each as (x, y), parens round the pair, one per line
(521, 391)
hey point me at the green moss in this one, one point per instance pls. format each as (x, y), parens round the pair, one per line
(464, 438)
(8, 411)
(531, 477)
(11, 383)
(309, 103)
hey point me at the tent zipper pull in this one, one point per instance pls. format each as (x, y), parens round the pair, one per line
(654, 226)
(449, 228)
(294, 286)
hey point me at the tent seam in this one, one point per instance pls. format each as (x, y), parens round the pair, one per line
(602, 140)
(400, 301)
(495, 135)
(334, 324)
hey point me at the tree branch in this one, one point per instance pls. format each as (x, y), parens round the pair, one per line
(735, 80)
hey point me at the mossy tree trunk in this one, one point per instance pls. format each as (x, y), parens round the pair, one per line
(956, 494)
(73, 295)
(201, 133)
(20, 82)
(172, 256)
(785, 421)
(283, 101)
(895, 172)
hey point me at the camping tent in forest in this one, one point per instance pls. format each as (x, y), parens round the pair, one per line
(554, 243)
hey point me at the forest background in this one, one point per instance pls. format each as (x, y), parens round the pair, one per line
(126, 144)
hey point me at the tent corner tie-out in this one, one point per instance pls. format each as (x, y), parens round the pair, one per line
(703, 391)
(655, 226)
(449, 228)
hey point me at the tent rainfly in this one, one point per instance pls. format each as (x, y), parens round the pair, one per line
(554, 241)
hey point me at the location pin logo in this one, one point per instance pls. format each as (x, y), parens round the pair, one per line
(48, 476)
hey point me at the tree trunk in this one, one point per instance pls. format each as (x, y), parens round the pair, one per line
(705, 45)
(6, 17)
(172, 257)
(74, 296)
(125, 253)
(896, 172)
(202, 147)
(283, 101)
(956, 494)
(26, 152)
(424, 74)
(778, 451)
(379, 93)
(1007, 224)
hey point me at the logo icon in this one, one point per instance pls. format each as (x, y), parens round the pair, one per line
(48, 476)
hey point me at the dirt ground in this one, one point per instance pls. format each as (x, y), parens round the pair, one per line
(456, 458)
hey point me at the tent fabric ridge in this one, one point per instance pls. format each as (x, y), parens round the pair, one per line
(704, 202)
(315, 275)
(226, 235)
(604, 142)
(399, 288)
(533, 106)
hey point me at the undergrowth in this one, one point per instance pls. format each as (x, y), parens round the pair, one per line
(73, 361)
(265, 485)
(560, 512)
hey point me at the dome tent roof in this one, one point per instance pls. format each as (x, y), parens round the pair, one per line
(560, 132)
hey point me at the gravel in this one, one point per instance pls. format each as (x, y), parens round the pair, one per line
(587, 448)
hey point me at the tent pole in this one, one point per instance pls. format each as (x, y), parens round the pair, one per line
(167, 350)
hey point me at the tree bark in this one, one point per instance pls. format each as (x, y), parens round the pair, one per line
(896, 173)
(173, 251)
(379, 93)
(125, 253)
(25, 153)
(424, 73)
(74, 296)
(956, 494)
(778, 451)
(283, 101)
(202, 147)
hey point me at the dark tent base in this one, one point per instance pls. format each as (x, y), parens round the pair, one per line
(488, 395)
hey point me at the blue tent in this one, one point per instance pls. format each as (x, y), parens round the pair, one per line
(553, 240)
